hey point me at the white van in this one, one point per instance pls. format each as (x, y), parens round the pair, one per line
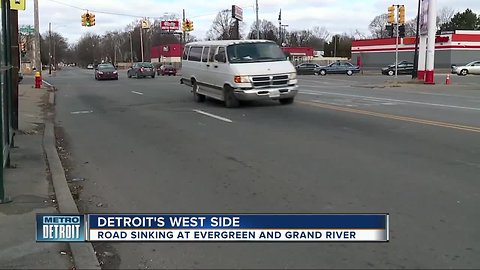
(235, 70)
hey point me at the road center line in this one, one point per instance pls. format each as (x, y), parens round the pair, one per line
(389, 99)
(392, 116)
(214, 116)
(138, 93)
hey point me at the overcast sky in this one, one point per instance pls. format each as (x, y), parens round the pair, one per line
(337, 16)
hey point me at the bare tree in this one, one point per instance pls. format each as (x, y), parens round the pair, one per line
(223, 26)
(377, 26)
(267, 31)
(444, 16)
(321, 32)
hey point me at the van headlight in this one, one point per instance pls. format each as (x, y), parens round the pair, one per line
(241, 79)
(292, 76)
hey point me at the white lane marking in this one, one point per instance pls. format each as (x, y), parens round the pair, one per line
(47, 83)
(472, 98)
(390, 99)
(138, 93)
(214, 116)
(81, 112)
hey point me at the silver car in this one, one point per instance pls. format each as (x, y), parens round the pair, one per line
(470, 68)
(141, 70)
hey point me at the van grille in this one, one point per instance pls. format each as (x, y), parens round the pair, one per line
(270, 81)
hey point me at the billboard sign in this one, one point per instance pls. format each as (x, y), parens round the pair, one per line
(171, 25)
(237, 12)
(424, 18)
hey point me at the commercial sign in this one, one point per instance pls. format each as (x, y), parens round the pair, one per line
(237, 12)
(170, 25)
(424, 18)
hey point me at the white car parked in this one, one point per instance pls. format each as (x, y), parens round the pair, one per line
(470, 68)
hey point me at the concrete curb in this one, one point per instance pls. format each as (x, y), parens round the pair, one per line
(83, 253)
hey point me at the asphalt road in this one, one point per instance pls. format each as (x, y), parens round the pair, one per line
(347, 145)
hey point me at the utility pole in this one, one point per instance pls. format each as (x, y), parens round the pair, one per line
(258, 26)
(36, 49)
(141, 39)
(49, 48)
(335, 46)
(397, 21)
(183, 32)
(280, 27)
(131, 49)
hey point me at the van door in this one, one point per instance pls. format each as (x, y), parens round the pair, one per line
(221, 71)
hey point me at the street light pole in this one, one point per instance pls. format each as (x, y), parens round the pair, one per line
(417, 37)
(258, 26)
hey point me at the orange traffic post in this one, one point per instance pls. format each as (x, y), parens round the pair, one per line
(447, 79)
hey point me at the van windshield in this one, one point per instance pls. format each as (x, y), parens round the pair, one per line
(255, 52)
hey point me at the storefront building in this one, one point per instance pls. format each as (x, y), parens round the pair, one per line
(457, 48)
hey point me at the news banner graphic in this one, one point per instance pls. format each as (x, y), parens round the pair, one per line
(213, 228)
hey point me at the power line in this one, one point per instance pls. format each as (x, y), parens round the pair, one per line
(128, 15)
(96, 11)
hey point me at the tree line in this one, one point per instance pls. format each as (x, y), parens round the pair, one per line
(124, 45)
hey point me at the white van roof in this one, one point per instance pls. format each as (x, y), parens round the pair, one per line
(225, 42)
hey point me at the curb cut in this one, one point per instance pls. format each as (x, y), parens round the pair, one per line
(83, 253)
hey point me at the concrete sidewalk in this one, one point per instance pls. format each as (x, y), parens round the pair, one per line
(27, 183)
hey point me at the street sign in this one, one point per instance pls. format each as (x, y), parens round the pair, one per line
(27, 30)
(237, 12)
(170, 25)
(145, 24)
(18, 4)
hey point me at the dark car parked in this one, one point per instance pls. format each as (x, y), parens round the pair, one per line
(306, 68)
(338, 68)
(106, 72)
(404, 67)
(141, 70)
(167, 70)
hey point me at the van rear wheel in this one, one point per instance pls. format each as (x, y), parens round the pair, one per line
(230, 100)
(196, 96)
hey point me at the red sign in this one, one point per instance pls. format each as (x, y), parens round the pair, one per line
(237, 13)
(441, 39)
(170, 25)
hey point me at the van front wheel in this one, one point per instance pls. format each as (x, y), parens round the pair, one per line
(196, 96)
(285, 101)
(230, 100)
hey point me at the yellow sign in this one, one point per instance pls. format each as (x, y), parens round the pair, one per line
(18, 4)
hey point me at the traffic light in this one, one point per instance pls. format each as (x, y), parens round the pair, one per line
(190, 26)
(87, 20)
(84, 19)
(92, 19)
(401, 15)
(391, 14)
(389, 28)
(23, 47)
(401, 31)
(184, 26)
